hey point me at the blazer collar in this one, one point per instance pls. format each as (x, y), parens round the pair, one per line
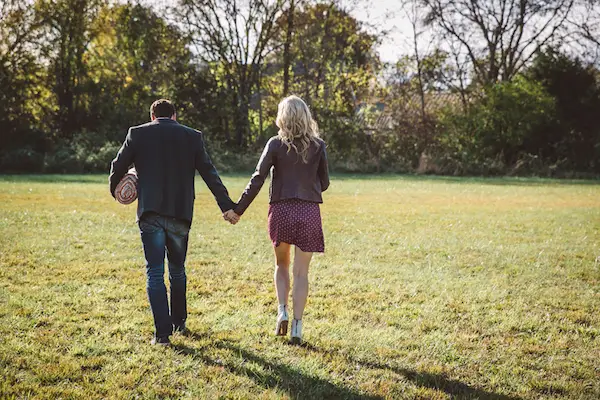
(167, 120)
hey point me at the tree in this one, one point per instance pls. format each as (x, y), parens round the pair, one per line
(19, 25)
(136, 57)
(414, 16)
(67, 36)
(286, 46)
(233, 37)
(21, 140)
(586, 22)
(491, 135)
(333, 68)
(574, 137)
(332, 62)
(499, 37)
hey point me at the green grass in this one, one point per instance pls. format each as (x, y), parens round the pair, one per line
(430, 288)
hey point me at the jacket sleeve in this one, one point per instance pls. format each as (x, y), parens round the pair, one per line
(120, 165)
(323, 170)
(209, 174)
(266, 161)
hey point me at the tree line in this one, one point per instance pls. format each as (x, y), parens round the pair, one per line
(487, 87)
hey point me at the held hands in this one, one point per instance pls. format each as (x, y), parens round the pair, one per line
(231, 217)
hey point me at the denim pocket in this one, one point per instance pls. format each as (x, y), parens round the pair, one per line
(179, 227)
(149, 224)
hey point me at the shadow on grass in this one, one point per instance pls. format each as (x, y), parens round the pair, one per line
(452, 387)
(275, 375)
(302, 386)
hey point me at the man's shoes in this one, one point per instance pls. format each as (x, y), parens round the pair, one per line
(181, 330)
(161, 341)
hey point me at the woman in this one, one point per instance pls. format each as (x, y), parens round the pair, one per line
(299, 161)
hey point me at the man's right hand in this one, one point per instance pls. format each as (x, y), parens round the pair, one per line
(231, 217)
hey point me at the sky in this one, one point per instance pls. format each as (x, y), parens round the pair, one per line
(388, 16)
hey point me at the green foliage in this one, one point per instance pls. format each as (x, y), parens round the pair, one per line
(68, 31)
(489, 137)
(74, 74)
(333, 64)
(106, 65)
(86, 152)
(346, 143)
(434, 69)
(137, 58)
(574, 137)
(21, 159)
(22, 142)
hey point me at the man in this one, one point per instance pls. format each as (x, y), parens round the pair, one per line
(166, 156)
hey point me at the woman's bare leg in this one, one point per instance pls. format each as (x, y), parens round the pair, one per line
(282, 273)
(300, 290)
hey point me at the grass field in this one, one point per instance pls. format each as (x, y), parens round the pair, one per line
(430, 288)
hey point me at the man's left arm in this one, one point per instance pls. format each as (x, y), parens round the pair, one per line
(120, 165)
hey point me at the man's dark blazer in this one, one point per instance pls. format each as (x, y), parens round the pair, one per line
(166, 156)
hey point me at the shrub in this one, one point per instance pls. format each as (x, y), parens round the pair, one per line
(99, 160)
(25, 159)
(63, 159)
(489, 137)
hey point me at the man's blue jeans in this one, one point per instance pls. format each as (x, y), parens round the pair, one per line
(160, 233)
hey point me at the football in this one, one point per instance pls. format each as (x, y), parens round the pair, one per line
(126, 191)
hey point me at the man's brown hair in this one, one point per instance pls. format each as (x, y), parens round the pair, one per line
(162, 108)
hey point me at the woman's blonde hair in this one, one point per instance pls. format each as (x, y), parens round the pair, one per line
(297, 128)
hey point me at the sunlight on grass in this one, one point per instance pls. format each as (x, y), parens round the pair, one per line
(429, 288)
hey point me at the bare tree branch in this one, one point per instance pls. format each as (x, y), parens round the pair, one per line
(500, 36)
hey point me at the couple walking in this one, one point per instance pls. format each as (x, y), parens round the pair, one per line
(166, 156)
